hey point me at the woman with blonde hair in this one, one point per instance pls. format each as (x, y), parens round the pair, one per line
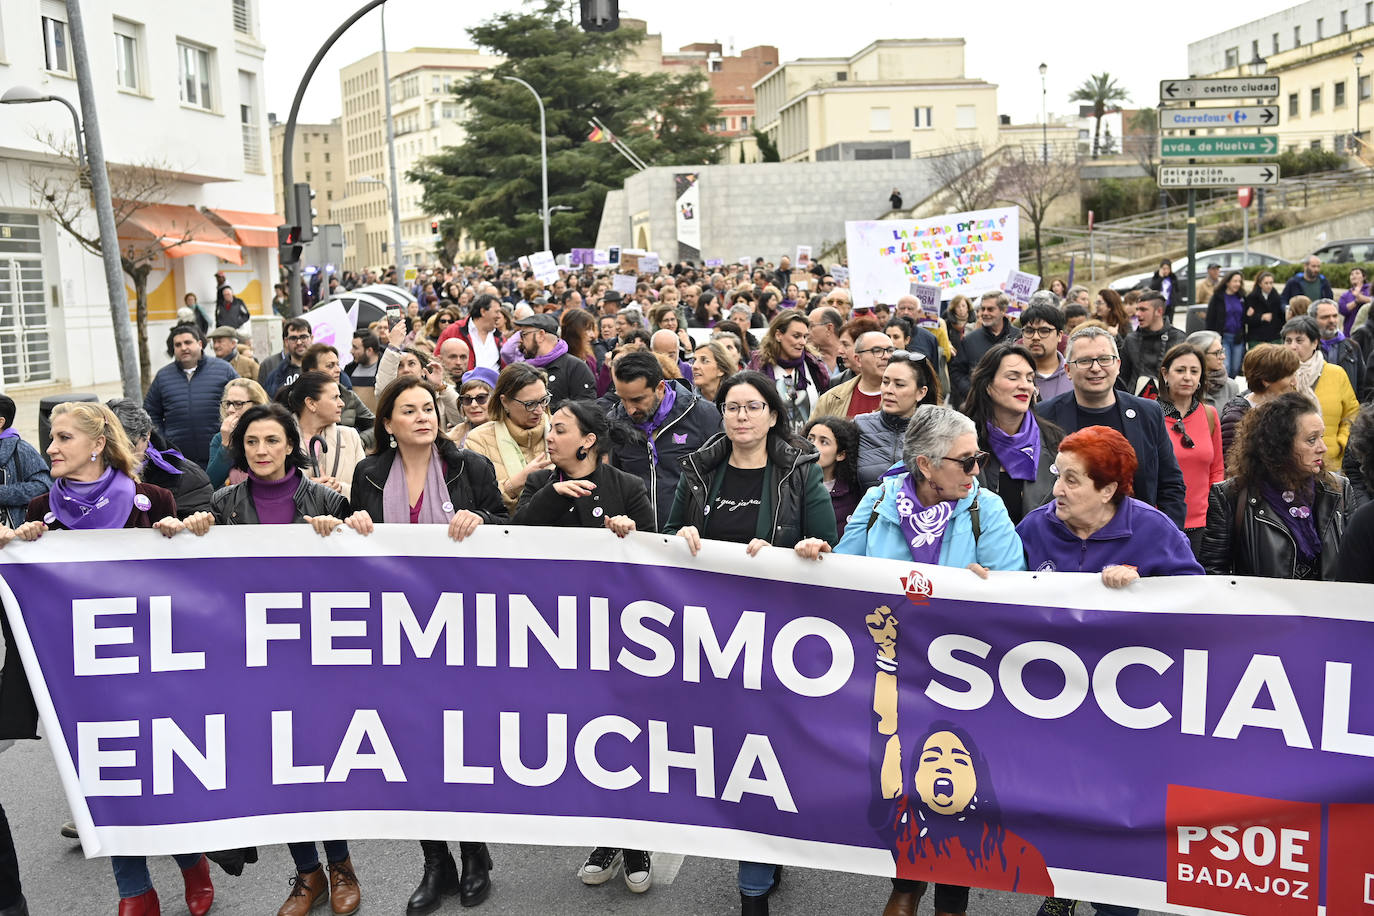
(513, 439)
(239, 394)
(712, 363)
(798, 374)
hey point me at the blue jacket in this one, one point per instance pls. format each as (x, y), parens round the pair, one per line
(997, 545)
(186, 412)
(1294, 288)
(1158, 480)
(1138, 535)
(23, 475)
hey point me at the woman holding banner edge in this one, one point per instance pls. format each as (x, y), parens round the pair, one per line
(95, 487)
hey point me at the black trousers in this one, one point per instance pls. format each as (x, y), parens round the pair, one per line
(10, 891)
(949, 898)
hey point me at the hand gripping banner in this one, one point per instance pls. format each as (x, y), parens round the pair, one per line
(1196, 745)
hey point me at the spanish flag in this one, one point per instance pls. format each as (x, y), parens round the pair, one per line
(597, 135)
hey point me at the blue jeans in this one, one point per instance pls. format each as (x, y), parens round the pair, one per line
(1235, 353)
(756, 878)
(131, 872)
(308, 858)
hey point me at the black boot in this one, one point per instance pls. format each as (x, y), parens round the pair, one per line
(753, 906)
(439, 880)
(475, 883)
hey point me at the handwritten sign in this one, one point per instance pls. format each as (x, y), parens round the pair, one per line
(600, 258)
(1020, 285)
(964, 253)
(581, 256)
(623, 284)
(544, 266)
(840, 275)
(648, 263)
(629, 262)
(929, 296)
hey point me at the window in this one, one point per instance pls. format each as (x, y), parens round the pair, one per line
(1320, 21)
(248, 122)
(1254, 49)
(965, 116)
(126, 55)
(243, 19)
(841, 76)
(326, 157)
(307, 156)
(55, 56)
(744, 122)
(1232, 57)
(1292, 104)
(1338, 95)
(194, 64)
(1316, 105)
(1276, 43)
(880, 119)
(1315, 144)
(1345, 20)
(1297, 35)
(1364, 88)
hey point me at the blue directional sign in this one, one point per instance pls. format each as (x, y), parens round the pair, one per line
(1251, 116)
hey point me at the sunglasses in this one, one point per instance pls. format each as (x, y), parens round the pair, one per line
(479, 400)
(969, 464)
(905, 355)
(1186, 439)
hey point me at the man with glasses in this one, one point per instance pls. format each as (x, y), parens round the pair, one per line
(1093, 365)
(282, 369)
(862, 393)
(1042, 325)
(540, 345)
(993, 328)
(674, 421)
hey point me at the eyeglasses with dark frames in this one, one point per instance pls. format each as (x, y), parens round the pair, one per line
(535, 405)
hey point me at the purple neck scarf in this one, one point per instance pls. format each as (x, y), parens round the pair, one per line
(1018, 454)
(923, 528)
(798, 366)
(9, 432)
(559, 349)
(654, 422)
(1294, 509)
(102, 503)
(159, 459)
(437, 508)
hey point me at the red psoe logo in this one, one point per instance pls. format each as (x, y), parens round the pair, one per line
(917, 587)
(1243, 853)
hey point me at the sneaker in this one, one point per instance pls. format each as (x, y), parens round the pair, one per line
(600, 865)
(639, 871)
(69, 831)
(1057, 906)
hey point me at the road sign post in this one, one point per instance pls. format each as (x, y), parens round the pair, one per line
(1217, 176)
(1249, 145)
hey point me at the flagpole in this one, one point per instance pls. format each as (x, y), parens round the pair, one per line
(619, 145)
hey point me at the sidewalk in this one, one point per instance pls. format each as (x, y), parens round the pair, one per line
(26, 402)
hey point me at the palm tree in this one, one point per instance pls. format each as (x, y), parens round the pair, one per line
(1102, 91)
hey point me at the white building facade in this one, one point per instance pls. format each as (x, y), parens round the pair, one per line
(1305, 23)
(178, 86)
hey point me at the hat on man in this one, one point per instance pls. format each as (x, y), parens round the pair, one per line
(539, 322)
(225, 331)
(611, 295)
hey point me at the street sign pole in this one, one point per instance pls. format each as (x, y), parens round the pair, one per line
(1188, 287)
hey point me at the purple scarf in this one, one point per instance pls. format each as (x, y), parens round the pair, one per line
(437, 508)
(798, 367)
(654, 422)
(9, 432)
(1018, 454)
(100, 504)
(159, 459)
(559, 349)
(923, 528)
(1294, 509)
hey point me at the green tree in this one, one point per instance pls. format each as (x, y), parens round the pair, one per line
(768, 150)
(1103, 92)
(489, 186)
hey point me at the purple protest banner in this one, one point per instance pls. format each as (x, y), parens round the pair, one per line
(1185, 744)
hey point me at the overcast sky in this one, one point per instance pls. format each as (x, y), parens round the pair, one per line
(1139, 44)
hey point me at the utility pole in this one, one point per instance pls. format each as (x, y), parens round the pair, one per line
(104, 208)
(391, 155)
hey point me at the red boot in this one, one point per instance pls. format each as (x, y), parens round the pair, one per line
(200, 893)
(144, 904)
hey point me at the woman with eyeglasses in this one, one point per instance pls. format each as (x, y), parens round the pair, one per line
(513, 439)
(416, 476)
(1217, 385)
(756, 484)
(799, 375)
(238, 396)
(1195, 430)
(1281, 513)
(474, 400)
(1020, 446)
(908, 382)
(929, 508)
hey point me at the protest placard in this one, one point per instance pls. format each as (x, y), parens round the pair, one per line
(491, 259)
(332, 324)
(624, 284)
(1020, 285)
(600, 257)
(966, 253)
(715, 262)
(840, 275)
(929, 296)
(648, 264)
(803, 260)
(544, 266)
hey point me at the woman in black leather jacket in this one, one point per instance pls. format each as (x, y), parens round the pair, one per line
(1282, 514)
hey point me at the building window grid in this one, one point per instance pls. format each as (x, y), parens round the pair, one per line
(126, 57)
(195, 75)
(243, 18)
(1292, 105)
(1316, 104)
(1276, 43)
(55, 52)
(1338, 95)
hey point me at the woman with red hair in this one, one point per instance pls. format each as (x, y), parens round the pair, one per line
(1094, 524)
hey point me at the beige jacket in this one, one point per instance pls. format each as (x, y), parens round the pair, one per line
(484, 441)
(345, 450)
(835, 402)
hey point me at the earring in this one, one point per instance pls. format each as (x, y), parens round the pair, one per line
(94, 455)
(392, 439)
(581, 453)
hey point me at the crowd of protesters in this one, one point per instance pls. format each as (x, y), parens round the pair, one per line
(752, 405)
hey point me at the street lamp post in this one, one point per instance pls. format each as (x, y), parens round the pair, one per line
(1044, 117)
(1359, 62)
(391, 156)
(543, 156)
(1258, 66)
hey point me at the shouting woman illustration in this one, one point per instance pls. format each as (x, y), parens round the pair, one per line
(942, 819)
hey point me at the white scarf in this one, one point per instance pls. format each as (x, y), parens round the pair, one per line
(1309, 372)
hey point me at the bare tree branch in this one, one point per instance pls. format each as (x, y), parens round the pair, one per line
(968, 178)
(1034, 184)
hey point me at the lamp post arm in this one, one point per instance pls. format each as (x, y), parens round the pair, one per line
(543, 156)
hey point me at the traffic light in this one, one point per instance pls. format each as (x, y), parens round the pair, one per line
(305, 209)
(600, 15)
(289, 244)
(434, 227)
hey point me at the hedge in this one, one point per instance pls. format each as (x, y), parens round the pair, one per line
(1338, 274)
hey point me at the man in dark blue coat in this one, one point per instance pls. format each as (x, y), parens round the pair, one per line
(183, 400)
(1093, 364)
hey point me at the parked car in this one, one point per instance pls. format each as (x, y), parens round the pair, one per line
(1228, 258)
(1346, 251)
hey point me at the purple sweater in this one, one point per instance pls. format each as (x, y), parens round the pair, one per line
(274, 499)
(1138, 535)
